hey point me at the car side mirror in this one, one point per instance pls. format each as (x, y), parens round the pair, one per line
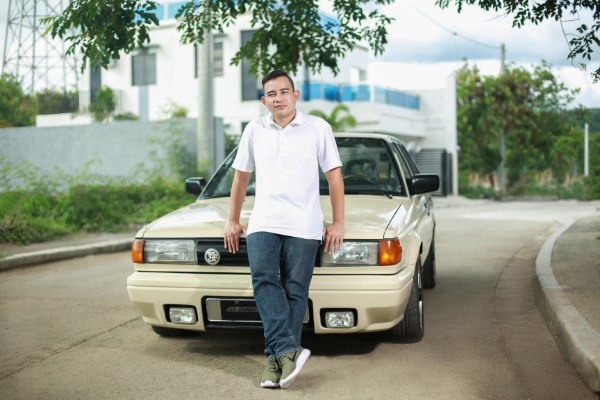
(423, 183)
(194, 186)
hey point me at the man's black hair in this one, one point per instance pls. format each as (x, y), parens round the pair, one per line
(276, 74)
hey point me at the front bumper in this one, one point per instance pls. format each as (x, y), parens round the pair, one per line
(379, 300)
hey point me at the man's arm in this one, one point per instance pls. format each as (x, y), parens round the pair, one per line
(233, 227)
(334, 233)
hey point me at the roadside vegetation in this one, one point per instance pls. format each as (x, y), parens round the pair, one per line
(39, 206)
(48, 206)
(543, 136)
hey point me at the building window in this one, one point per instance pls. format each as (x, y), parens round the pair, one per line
(218, 59)
(250, 90)
(244, 125)
(143, 69)
(95, 82)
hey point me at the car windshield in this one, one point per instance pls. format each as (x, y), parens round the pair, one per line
(367, 168)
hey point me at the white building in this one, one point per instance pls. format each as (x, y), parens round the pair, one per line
(166, 70)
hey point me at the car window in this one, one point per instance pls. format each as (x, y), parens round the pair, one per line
(409, 160)
(367, 166)
(403, 166)
(220, 185)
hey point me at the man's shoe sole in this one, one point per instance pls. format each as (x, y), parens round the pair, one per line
(287, 382)
(269, 384)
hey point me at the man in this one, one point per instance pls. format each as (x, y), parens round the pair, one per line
(285, 230)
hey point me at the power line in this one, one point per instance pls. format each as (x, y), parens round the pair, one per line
(450, 30)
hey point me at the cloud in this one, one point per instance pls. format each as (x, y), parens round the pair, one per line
(420, 33)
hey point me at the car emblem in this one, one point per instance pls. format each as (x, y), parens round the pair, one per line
(212, 256)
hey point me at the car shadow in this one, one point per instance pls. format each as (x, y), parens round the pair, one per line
(240, 352)
(251, 342)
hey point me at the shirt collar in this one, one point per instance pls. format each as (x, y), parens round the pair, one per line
(298, 119)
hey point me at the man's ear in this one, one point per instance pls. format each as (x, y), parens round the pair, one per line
(297, 94)
(262, 98)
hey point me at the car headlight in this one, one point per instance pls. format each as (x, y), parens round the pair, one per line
(353, 253)
(174, 251)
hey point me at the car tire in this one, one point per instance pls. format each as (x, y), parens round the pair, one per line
(429, 275)
(169, 332)
(412, 327)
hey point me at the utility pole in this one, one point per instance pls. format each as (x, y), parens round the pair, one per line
(501, 133)
(205, 130)
(586, 151)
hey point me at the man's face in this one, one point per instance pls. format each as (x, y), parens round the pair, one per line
(279, 97)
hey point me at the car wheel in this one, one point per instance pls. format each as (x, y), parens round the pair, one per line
(429, 268)
(169, 332)
(412, 327)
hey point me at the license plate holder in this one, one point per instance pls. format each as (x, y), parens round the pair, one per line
(236, 310)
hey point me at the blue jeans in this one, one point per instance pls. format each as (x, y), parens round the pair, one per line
(281, 268)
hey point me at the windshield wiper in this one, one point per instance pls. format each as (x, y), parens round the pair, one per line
(372, 191)
(214, 196)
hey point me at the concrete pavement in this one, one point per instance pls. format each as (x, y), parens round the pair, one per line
(68, 329)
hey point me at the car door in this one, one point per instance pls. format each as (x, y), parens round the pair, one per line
(422, 202)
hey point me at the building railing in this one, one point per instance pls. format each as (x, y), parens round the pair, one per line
(59, 103)
(86, 98)
(359, 93)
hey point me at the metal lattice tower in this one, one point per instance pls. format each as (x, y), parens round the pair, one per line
(39, 61)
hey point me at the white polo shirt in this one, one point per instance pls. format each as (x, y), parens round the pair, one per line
(287, 173)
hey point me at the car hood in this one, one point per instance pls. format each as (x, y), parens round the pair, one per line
(366, 217)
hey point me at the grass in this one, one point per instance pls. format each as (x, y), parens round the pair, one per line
(47, 207)
(4, 255)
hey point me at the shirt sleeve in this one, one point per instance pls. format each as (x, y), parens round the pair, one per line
(329, 158)
(244, 159)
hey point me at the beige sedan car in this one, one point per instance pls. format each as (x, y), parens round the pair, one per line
(185, 280)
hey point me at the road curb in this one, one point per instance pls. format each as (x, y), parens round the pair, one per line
(579, 339)
(63, 253)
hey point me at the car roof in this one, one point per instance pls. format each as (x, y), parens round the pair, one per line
(384, 136)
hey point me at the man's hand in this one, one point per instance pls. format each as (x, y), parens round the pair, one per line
(334, 236)
(232, 236)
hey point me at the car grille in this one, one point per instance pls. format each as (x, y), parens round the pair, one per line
(239, 259)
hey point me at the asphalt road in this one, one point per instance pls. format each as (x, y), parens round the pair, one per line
(68, 330)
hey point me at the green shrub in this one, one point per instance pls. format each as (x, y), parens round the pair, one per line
(46, 207)
(125, 116)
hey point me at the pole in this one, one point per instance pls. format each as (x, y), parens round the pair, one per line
(501, 133)
(502, 54)
(19, 40)
(6, 36)
(205, 131)
(586, 151)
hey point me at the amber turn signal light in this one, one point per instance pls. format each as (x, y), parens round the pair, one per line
(390, 252)
(137, 251)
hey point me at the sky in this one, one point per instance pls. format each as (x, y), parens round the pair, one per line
(425, 53)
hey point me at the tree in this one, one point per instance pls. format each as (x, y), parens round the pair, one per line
(104, 106)
(538, 11)
(289, 32)
(529, 107)
(337, 125)
(16, 107)
(476, 124)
